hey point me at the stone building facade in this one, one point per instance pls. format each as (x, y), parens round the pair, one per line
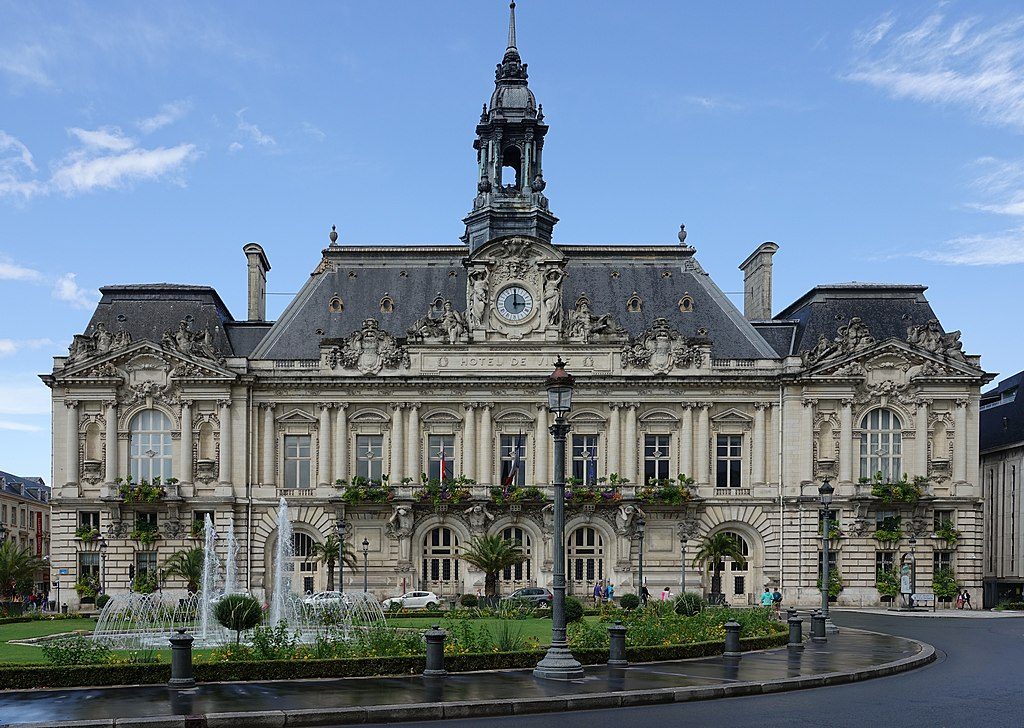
(1002, 462)
(426, 365)
(25, 518)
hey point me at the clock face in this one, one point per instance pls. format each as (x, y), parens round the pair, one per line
(515, 303)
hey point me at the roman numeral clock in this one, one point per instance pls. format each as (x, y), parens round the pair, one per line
(514, 304)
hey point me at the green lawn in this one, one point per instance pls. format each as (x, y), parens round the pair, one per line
(40, 628)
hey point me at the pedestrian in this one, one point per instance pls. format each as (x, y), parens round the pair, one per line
(959, 600)
(777, 603)
(967, 600)
(609, 593)
(666, 594)
(598, 592)
(645, 594)
(766, 597)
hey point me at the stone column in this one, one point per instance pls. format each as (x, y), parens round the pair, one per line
(397, 444)
(224, 475)
(71, 463)
(960, 441)
(269, 443)
(921, 438)
(757, 446)
(413, 444)
(541, 461)
(469, 443)
(686, 442)
(846, 441)
(323, 449)
(807, 441)
(110, 471)
(629, 450)
(185, 455)
(485, 451)
(702, 443)
(341, 441)
(614, 439)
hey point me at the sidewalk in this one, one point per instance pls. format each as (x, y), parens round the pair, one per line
(848, 656)
(950, 613)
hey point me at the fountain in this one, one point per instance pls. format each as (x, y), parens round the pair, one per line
(281, 607)
(231, 566)
(211, 566)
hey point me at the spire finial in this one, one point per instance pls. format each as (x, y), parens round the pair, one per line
(334, 235)
(512, 24)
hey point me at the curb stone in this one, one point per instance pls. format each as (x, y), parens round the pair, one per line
(486, 708)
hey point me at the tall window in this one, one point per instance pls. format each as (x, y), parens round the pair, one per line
(521, 572)
(885, 561)
(833, 518)
(729, 463)
(942, 560)
(145, 563)
(513, 459)
(584, 458)
(586, 559)
(370, 456)
(441, 558)
(656, 457)
(88, 519)
(942, 517)
(89, 564)
(881, 445)
(149, 446)
(833, 564)
(441, 450)
(297, 459)
(145, 521)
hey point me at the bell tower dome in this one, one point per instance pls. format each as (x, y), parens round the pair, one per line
(509, 148)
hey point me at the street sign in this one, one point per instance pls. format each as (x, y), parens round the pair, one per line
(63, 572)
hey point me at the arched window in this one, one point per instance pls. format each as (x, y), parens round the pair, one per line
(739, 576)
(512, 159)
(149, 451)
(881, 445)
(520, 574)
(441, 561)
(586, 560)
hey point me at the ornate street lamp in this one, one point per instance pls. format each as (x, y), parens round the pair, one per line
(558, 663)
(3, 533)
(912, 563)
(103, 565)
(825, 497)
(641, 528)
(341, 555)
(366, 565)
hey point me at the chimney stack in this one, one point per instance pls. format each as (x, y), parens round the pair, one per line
(757, 282)
(258, 266)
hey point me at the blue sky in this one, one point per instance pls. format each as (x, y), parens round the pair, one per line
(142, 142)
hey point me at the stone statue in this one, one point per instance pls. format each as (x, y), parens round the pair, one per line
(100, 342)
(478, 517)
(198, 344)
(625, 517)
(822, 350)
(453, 323)
(854, 336)
(477, 300)
(547, 514)
(583, 324)
(929, 337)
(401, 521)
(553, 297)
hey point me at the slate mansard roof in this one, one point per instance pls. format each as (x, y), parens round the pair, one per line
(1002, 415)
(31, 488)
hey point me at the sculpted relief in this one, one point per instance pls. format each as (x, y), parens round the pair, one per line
(99, 343)
(661, 349)
(368, 350)
(196, 344)
(582, 325)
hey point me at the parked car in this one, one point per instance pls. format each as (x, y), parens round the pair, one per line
(326, 599)
(542, 597)
(413, 600)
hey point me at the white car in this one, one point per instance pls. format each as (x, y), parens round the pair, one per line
(326, 599)
(413, 600)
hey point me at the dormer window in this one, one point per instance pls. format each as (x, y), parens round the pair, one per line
(634, 304)
(686, 304)
(387, 304)
(336, 305)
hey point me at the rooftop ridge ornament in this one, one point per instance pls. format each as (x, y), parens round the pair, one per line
(512, 24)
(333, 235)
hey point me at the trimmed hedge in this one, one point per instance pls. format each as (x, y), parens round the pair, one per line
(47, 676)
(47, 618)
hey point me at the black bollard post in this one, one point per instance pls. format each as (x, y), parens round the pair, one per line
(796, 631)
(732, 639)
(790, 613)
(818, 627)
(435, 652)
(617, 646)
(181, 661)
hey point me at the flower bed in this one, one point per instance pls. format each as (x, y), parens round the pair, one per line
(508, 496)
(361, 490)
(899, 491)
(87, 533)
(448, 492)
(143, 491)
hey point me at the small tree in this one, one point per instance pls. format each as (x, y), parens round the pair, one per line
(238, 612)
(18, 566)
(713, 550)
(573, 610)
(188, 565)
(888, 583)
(492, 554)
(944, 584)
(327, 552)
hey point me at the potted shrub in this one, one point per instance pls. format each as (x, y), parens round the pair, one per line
(888, 584)
(898, 491)
(835, 585)
(889, 530)
(944, 585)
(87, 533)
(947, 533)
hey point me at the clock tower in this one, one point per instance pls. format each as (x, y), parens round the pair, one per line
(509, 148)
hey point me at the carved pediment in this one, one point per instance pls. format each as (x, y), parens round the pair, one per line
(295, 416)
(138, 361)
(889, 359)
(732, 415)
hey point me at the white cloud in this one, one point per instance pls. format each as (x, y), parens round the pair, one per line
(18, 426)
(1002, 248)
(964, 63)
(66, 288)
(1001, 181)
(253, 132)
(110, 139)
(9, 347)
(25, 63)
(313, 131)
(11, 271)
(168, 114)
(25, 395)
(235, 147)
(15, 161)
(712, 103)
(77, 174)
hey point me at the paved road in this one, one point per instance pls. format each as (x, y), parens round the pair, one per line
(978, 680)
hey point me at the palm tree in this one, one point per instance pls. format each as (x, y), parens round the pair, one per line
(327, 552)
(492, 554)
(18, 566)
(712, 550)
(188, 564)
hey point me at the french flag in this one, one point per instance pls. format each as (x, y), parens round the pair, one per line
(591, 474)
(444, 463)
(513, 473)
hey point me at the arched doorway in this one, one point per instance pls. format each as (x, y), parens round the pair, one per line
(305, 575)
(585, 552)
(441, 571)
(741, 583)
(520, 575)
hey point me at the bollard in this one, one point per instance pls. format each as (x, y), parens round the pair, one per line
(818, 627)
(790, 613)
(796, 629)
(617, 646)
(435, 652)
(181, 661)
(732, 639)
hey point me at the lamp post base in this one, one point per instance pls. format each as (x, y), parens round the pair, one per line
(558, 664)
